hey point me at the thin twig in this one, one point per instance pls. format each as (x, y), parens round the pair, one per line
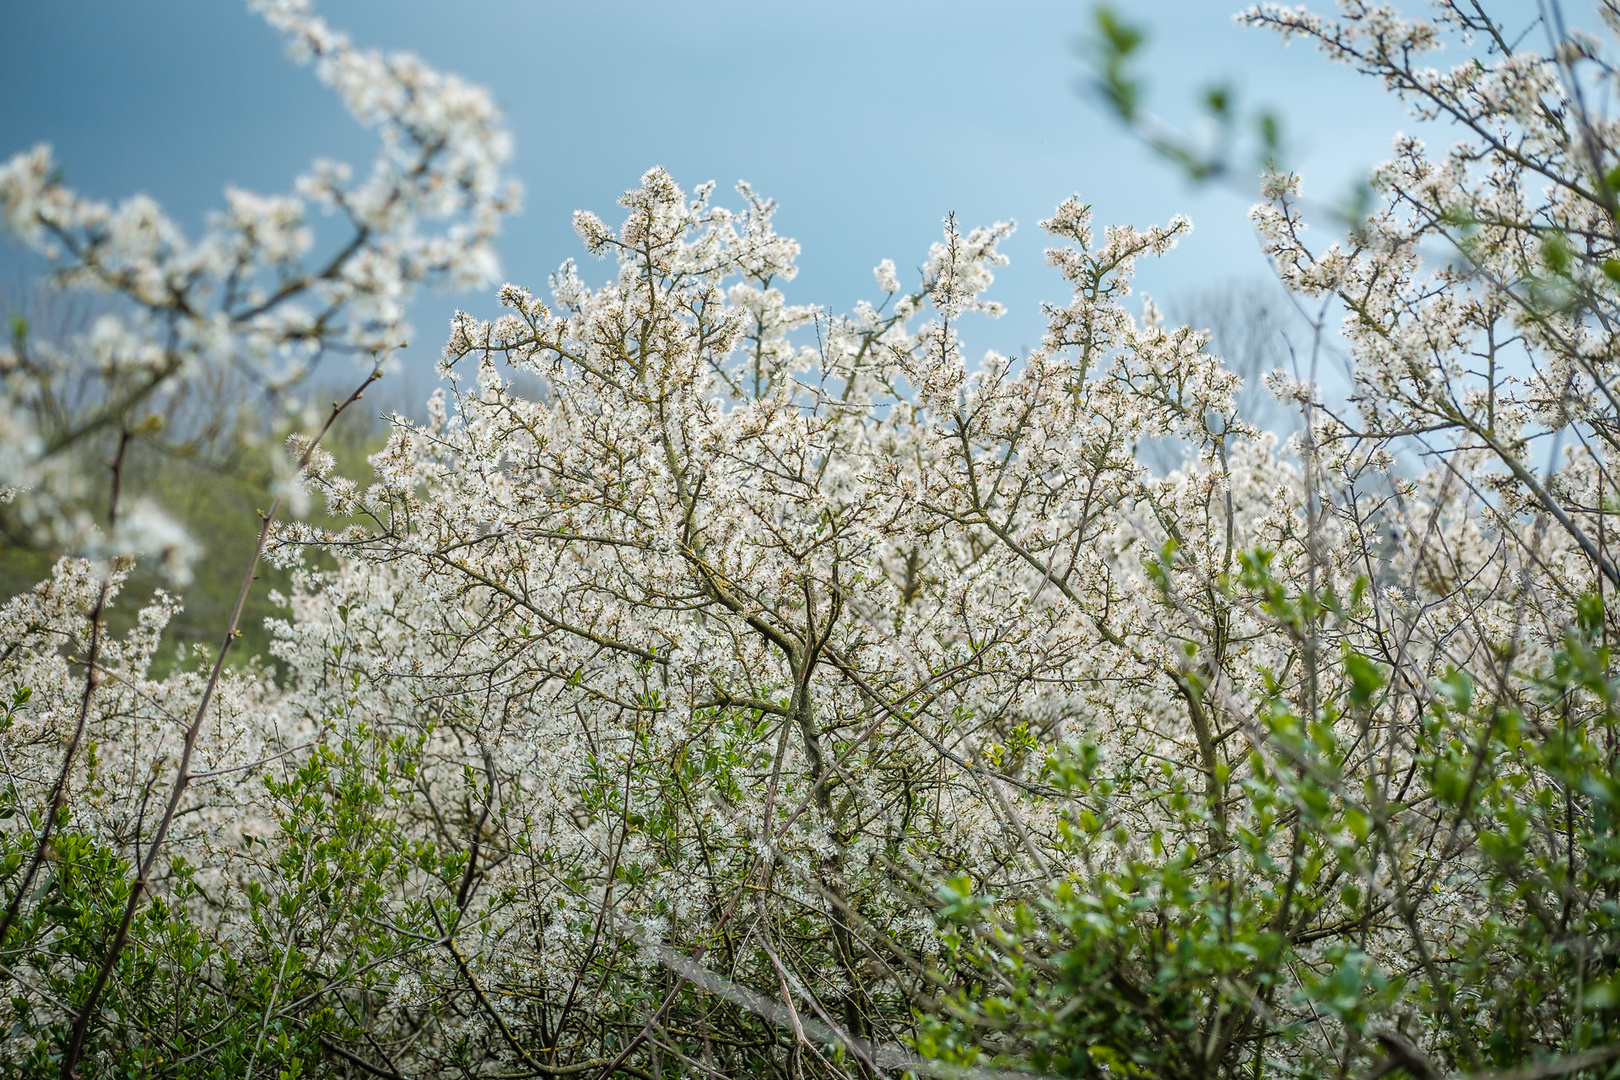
(183, 776)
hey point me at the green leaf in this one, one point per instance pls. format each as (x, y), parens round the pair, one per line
(1366, 679)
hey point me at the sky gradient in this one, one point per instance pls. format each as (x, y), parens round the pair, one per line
(867, 121)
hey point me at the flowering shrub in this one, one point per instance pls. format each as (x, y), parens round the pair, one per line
(714, 685)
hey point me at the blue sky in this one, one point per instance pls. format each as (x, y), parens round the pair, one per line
(868, 121)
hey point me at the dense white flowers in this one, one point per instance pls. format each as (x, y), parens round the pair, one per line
(710, 669)
(755, 608)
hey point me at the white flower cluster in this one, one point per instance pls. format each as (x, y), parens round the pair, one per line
(263, 292)
(727, 613)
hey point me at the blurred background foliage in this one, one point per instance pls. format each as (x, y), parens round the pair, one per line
(211, 459)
